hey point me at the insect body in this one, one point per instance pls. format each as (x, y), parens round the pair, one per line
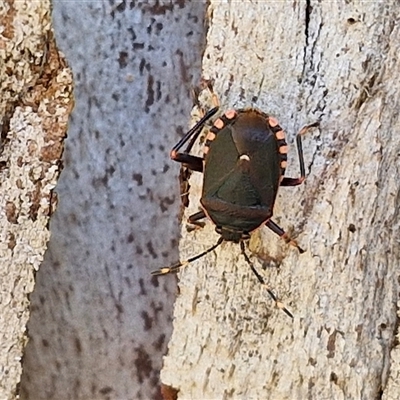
(244, 162)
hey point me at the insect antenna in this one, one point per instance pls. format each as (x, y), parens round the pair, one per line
(278, 303)
(180, 264)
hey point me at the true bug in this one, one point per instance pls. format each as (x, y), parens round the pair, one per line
(244, 162)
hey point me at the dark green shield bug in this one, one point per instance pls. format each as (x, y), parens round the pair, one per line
(244, 162)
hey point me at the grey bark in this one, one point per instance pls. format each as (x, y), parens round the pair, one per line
(35, 101)
(301, 62)
(100, 323)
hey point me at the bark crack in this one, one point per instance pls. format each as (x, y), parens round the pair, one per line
(306, 33)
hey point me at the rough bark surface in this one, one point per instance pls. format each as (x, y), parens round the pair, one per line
(35, 101)
(100, 323)
(301, 62)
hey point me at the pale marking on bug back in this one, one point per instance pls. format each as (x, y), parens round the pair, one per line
(219, 123)
(280, 135)
(230, 114)
(283, 149)
(272, 121)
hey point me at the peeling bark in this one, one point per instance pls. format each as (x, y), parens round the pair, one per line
(301, 62)
(36, 99)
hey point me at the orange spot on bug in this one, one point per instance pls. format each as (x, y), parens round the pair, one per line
(283, 164)
(280, 135)
(205, 150)
(273, 121)
(210, 136)
(283, 149)
(173, 154)
(230, 114)
(219, 123)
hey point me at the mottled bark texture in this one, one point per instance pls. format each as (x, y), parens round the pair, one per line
(35, 101)
(303, 61)
(100, 323)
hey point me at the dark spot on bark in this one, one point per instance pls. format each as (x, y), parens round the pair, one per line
(159, 7)
(115, 96)
(12, 241)
(334, 378)
(156, 308)
(42, 300)
(351, 21)
(148, 321)
(142, 288)
(143, 364)
(331, 346)
(105, 390)
(150, 93)
(154, 281)
(45, 343)
(352, 228)
(159, 343)
(138, 46)
(138, 178)
(158, 91)
(34, 198)
(130, 238)
(123, 59)
(56, 265)
(150, 248)
(119, 307)
(143, 65)
(133, 34)
(139, 250)
(78, 345)
(110, 170)
(159, 28)
(149, 28)
(128, 282)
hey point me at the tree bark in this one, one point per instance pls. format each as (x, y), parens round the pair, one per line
(100, 323)
(302, 62)
(35, 101)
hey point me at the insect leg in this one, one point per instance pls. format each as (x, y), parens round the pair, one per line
(176, 267)
(300, 180)
(192, 162)
(278, 303)
(196, 217)
(280, 232)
